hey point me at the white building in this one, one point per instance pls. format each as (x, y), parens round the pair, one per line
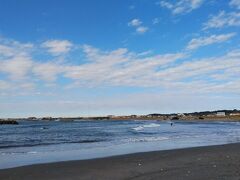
(221, 114)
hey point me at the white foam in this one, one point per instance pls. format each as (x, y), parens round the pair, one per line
(139, 128)
(152, 125)
(147, 139)
(32, 152)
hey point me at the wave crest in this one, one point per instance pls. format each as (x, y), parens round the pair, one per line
(151, 125)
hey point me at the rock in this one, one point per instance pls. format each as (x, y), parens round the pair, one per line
(175, 118)
(11, 122)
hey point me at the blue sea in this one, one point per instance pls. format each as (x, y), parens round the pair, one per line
(34, 142)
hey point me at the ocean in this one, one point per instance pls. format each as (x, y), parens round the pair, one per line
(34, 142)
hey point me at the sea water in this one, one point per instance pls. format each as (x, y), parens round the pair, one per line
(34, 142)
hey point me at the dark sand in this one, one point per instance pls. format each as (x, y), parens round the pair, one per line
(203, 163)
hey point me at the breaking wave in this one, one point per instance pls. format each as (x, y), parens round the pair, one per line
(152, 125)
(147, 139)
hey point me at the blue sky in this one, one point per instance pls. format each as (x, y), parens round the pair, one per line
(84, 58)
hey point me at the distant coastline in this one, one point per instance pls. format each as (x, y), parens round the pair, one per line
(218, 115)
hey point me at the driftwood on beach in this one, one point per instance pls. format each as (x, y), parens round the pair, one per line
(12, 122)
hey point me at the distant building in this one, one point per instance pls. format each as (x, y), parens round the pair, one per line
(221, 114)
(235, 114)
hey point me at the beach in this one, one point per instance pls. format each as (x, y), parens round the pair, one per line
(120, 90)
(209, 162)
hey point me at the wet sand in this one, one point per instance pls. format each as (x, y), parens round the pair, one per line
(209, 163)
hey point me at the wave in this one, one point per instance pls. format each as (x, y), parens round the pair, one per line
(32, 152)
(21, 152)
(47, 144)
(147, 139)
(139, 128)
(151, 125)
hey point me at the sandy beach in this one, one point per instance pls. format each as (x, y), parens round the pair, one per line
(210, 162)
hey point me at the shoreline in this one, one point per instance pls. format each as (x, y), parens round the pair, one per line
(214, 115)
(211, 162)
(206, 120)
(209, 119)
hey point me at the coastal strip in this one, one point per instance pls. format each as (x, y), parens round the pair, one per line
(204, 116)
(209, 162)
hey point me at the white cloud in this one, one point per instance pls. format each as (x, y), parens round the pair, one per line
(135, 22)
(26, 85)
(204, 41)
(235, 3)
(170, 80)
(166, 4)
(142, 29)
(223, 19)
(10, 48)
(17, 67)
(90, 51)
(4, 85)
(121, 67)
(145, 53)
(118, 67)
(6, 51)
(182, 6)
(47, 71)
(57, 47)
(198, 76)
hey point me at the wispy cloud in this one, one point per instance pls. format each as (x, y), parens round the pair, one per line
(235, 3)
(182, 6)
(48, 71)
(121, 67)
(17, 67)
(10, 48)
(137, 24)
(223, 19)
(155, 21)
(204, 41)
(4, 85)
(142, 29)
(57, 47)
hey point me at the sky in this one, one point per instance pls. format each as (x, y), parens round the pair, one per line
(118, 57)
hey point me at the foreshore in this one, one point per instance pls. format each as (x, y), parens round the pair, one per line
(210, 162)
